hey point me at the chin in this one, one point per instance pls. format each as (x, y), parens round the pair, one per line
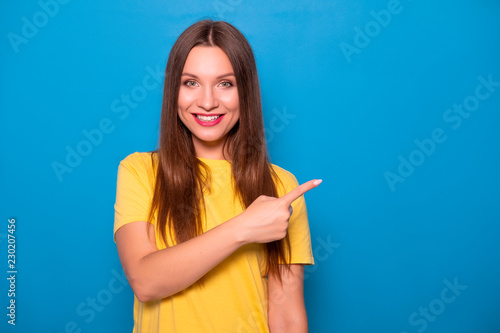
(207, 139)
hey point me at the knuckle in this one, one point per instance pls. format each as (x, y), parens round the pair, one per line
(285, 215)
(284, 204)
(283, 234)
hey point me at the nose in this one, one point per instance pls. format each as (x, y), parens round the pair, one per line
(208, 99)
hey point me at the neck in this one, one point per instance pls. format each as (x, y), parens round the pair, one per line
(210, 150)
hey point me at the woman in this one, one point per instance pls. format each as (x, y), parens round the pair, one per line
(211, 236)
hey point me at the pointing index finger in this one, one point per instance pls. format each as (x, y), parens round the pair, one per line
(300, 190)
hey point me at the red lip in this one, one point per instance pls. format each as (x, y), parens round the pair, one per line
(208, 123)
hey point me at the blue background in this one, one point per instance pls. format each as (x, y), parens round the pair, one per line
(385, 250)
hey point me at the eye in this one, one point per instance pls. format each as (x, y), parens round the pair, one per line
(190, 83)
(225, 84)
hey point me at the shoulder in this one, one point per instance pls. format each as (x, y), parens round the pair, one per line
(286, 180)
(140, 163)
(138, 160)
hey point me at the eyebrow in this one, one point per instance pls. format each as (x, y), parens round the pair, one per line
(218, 77)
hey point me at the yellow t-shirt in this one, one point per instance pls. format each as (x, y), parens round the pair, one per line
(233, 296)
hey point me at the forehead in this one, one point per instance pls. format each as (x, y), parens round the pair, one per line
(207, 61)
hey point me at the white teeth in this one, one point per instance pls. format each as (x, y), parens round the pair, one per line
(206, 118)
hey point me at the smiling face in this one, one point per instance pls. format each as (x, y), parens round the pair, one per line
(208, 99)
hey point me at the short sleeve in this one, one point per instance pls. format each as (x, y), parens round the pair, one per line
(133, 190)
(298, 229)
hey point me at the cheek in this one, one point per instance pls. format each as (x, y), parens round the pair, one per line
(185, 99)
(231, 101)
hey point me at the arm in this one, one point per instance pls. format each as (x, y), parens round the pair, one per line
(155, 274)
(287, 312)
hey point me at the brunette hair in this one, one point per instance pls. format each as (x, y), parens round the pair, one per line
(181, 178)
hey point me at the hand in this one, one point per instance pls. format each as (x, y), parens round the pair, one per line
(266, 219)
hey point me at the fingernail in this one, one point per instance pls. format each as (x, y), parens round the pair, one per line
(317, 182)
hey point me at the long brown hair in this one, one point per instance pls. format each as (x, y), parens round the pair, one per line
(181, 178)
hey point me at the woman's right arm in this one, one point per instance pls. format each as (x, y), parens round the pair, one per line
(155, 274)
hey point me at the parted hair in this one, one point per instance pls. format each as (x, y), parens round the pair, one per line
(181, 178)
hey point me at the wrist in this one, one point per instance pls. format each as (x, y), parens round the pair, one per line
(238, 231)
